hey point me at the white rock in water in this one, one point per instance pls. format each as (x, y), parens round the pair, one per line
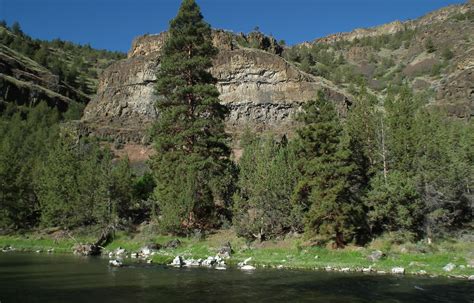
(449, 267)
(177, 261)
(115, 263)
(280, 266)
(192, 262)
(398, 270)
(367, 269)
(145, 251)
(210, 261)
(149, 261)
(247, 267)
(471, 278)
(221, 267)
(134, 255)
(120, 251)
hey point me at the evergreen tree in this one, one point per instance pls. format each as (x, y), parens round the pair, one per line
(394, 200)
(56, 187)
(362, 128)
(262, 204)
(16, 29)
(121, 189)
(401, 108)
(394, 204)
(24, 138)
(192, 157)
(328, 188)
(444, 172)
(41, 56)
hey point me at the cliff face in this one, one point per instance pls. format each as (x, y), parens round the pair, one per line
(261, 89)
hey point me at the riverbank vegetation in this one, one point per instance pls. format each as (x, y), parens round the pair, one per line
(292, 252)
(393, 172)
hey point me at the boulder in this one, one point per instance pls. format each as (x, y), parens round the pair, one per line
(192, 262)
(247, 267)
(120, 252)
(375, 256)
(226, 251)
(210, 261)
(449, 267)
(177, 261)
(367, 269)
(115, 263)
(471, 278)
(398, 270)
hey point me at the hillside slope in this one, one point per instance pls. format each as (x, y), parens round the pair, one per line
(433, 54)
(57, 71)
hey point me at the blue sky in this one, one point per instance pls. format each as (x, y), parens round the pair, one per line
(112, 24)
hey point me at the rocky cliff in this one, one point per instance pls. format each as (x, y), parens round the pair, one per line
(261, 88)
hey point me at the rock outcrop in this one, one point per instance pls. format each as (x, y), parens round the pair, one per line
(261, 89)
(25, 82)
(397, 52)
(437, 16)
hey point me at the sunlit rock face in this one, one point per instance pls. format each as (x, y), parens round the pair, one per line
(262, 90)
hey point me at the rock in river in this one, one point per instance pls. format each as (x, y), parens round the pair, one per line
(178, 261)
(115, 263)
(398, 270)
(247, 267)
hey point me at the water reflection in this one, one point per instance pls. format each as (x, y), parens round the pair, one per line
(46, 278)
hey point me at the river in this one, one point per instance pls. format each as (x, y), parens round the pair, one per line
(66, 278)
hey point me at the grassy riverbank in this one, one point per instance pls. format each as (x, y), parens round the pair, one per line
(289, 253)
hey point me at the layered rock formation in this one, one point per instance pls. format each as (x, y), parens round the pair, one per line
(25, 82)
(261, 89)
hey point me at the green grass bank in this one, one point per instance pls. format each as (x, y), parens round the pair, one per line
(290, 253)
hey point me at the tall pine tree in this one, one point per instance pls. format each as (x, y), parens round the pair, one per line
(328, 189)
(192, 156)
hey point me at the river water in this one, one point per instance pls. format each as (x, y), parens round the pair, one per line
(66, 278)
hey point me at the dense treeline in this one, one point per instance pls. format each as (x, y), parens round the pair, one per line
(75, 64)
(50, 178)
(392, 165)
